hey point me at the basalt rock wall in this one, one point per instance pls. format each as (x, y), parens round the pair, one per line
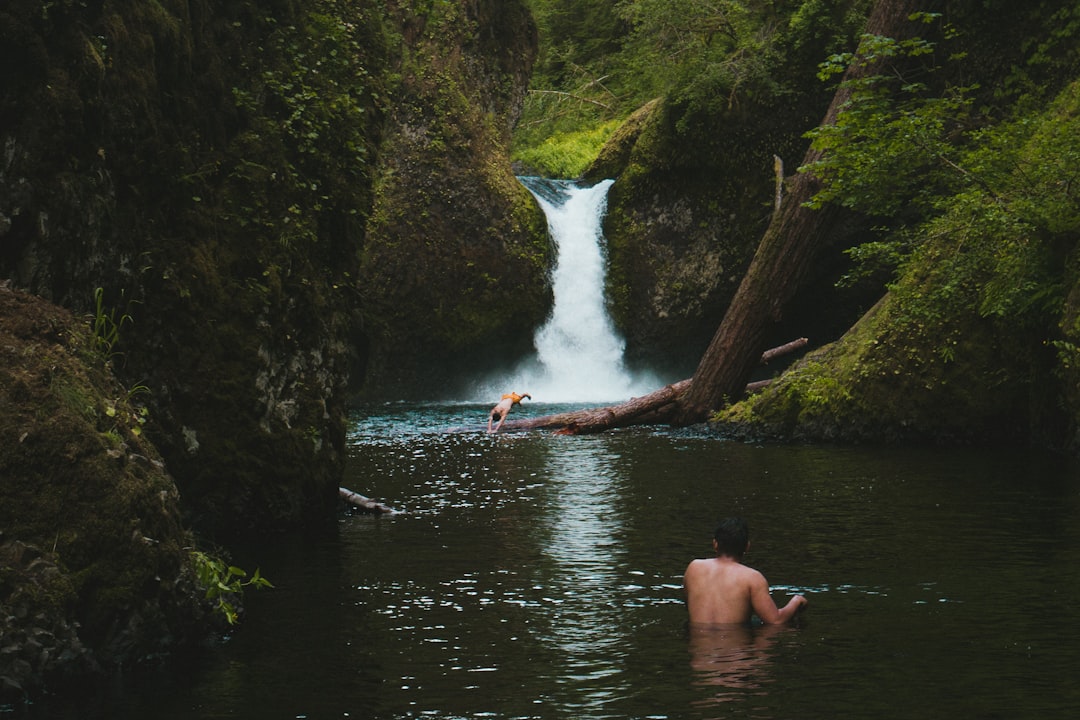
(219, 221)
(275, 205)
(94, 564)
(454, 272)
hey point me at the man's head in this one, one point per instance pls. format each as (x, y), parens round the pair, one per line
(732, 537)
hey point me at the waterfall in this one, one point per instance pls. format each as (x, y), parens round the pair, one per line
(579, 356)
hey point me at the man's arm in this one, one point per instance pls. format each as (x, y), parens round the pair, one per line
(766, 609)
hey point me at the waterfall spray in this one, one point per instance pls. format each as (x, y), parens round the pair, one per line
(579, 356)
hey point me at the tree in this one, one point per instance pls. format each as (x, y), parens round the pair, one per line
(783, 258)
(782, 263)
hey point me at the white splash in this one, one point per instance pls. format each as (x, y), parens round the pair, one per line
(579, 356)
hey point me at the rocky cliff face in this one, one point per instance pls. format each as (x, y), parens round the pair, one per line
(681, 227)
(94, 567)
(276, 196)
(454, 269)
(258, 204)
(695, 191)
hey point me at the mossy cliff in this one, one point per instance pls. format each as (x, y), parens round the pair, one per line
(205, 166)
(247, 188)
(94, 567)
(280, 196)
(454, 270)
(683, 219)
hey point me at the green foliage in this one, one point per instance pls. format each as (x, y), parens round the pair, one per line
(580, 106)
(600, 61)
(817, 28)
(891, 147)
(224, 583)
(322, 91)
(567, 155)
(106, 323)
(310, 108)
(1068, 354)
(676, 39)
(127, 414)
(877, 258)
(576, 34)
(720, 54)
(982, 201)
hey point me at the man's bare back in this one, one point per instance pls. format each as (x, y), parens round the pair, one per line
(721, 590)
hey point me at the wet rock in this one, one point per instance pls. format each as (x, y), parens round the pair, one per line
(77, 593)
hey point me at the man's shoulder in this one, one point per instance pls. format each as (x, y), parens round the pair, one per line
(752, 576)
(697, 564)
(744, 573)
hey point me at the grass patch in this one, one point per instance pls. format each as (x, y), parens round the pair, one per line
(566, 155)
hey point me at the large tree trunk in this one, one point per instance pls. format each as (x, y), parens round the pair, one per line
(782, 263)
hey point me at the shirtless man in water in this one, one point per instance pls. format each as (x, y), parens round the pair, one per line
(723, 591)
(500, 411)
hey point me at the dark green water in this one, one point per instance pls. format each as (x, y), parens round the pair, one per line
(539, 576)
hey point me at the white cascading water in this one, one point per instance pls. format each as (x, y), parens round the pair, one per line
(579, 356)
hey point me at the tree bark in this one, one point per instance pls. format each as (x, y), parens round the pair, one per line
(782, 262)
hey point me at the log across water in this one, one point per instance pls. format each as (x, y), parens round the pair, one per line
(656, 407)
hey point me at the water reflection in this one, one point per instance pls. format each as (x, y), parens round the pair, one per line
(583, 550)
(734, 659)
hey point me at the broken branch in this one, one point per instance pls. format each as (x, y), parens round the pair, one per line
(364, 503)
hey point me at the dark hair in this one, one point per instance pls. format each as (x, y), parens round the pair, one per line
(732, 536)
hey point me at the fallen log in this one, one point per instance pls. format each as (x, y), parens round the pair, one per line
(780, 350)
(656, 407)
(757, 386)
(604, 418)
(364, 503)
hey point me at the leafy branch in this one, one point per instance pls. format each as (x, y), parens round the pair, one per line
(224, 583)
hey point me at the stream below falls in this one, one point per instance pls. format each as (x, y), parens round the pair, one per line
(539, 576)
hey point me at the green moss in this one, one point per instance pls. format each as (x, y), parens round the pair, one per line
(889, 378)
(958, 350)
(85, 489)
(567, 155)
(456, 255)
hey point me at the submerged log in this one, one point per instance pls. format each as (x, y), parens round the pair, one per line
(656, 407)
(364, 503)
